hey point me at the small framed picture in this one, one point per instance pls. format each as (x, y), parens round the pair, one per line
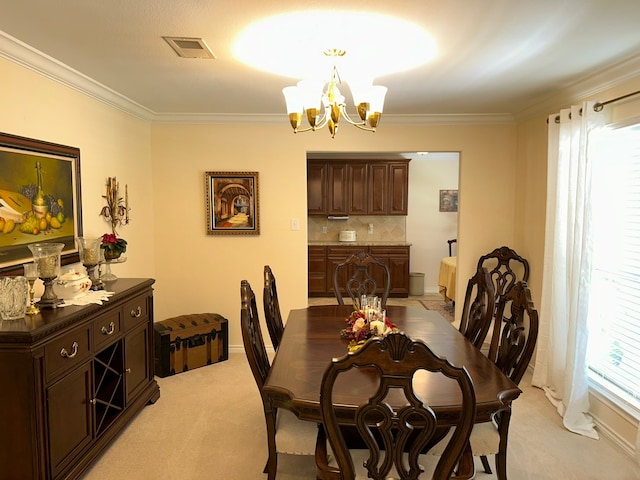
(232, 203)
(448, 200)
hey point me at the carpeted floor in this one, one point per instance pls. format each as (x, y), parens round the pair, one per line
(209, 424)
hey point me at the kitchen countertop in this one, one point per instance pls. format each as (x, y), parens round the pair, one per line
(358, 243)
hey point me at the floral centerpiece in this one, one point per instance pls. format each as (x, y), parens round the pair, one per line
(113, 246)
(364, 324)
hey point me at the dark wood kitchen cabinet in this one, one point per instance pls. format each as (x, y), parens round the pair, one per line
(317, 188)
(71, 379)
(389, 187)
(328, 257)
(317, 274)
(340, 187)
(337, 186)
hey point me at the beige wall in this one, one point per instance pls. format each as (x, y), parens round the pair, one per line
(197, 272)
(111, 143)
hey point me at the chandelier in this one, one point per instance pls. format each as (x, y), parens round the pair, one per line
(324, 104)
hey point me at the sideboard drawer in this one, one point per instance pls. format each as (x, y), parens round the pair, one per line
(105, 329)
(67, 352)
(135, 311)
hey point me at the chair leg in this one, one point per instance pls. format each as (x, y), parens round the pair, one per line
(485, 464)
(272, 460)
(271, 467)
(501, 466)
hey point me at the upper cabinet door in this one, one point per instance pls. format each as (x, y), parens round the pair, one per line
(357, 188)
(337, 189)
(378, 185)
(398, 188)
(316, 188)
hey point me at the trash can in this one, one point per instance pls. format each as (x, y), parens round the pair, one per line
(416, 283)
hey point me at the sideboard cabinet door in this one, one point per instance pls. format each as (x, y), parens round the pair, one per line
(69, 417)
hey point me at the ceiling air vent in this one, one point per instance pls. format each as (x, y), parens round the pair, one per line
(187, 47)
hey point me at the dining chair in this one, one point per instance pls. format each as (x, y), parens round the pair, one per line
(362, 267)
(271, 305)
(505, 268)
(395, 437)
(478, 308)
(286, 434)
(517, 338)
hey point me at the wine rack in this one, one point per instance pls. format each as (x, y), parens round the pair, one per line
(108, 367)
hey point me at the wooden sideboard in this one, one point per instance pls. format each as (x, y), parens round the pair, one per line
(71, 378)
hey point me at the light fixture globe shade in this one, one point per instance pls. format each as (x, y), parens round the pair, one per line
(294, 106)
(376, 98)
(293, 99)
(311, 93)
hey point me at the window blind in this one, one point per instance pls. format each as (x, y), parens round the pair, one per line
(614, 300)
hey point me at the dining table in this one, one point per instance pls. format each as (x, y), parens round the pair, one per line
(312, 339)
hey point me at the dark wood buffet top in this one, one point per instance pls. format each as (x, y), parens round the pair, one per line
(35, 327)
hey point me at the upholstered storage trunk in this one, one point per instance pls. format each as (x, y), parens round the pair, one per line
(190, 341)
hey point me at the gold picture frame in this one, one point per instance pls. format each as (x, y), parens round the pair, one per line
(232, 203)
(55, 217)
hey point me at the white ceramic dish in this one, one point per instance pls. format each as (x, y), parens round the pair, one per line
(71, 284)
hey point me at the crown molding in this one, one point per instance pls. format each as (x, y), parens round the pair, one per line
(28, 57)
(585, 89)
(281, 119)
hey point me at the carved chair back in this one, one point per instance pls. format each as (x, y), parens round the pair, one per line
(395, 436)
(514, 341)
(272, 314)
(361, 281)
(506, 268)
(252, 339)
(478, 309)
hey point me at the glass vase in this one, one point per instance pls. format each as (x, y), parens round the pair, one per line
(14, 295)
(90, 256)
(47, 257)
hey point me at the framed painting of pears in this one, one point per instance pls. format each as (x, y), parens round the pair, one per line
(40, 199)
(232, 203)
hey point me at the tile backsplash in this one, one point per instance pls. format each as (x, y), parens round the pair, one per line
(385, 228)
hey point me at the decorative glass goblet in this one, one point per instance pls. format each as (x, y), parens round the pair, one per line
(31, 272)
(47, 258)
(90, 257)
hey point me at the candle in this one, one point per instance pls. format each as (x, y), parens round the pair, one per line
(48, 266)
(90, 256)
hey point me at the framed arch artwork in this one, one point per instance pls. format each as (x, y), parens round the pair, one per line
(232, 203)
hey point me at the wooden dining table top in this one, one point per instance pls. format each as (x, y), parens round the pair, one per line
(312, 338)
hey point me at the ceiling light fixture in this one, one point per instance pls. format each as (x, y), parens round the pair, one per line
(323, 103)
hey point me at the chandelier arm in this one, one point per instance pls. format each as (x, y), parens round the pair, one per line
(361, 125)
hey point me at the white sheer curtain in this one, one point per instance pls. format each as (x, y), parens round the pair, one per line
(560, 367)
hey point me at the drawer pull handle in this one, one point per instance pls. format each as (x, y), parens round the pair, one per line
(128, 370)
(137, 312)
(112, 328)
(74, 352)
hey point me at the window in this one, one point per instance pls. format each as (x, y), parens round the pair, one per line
(614, 310)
